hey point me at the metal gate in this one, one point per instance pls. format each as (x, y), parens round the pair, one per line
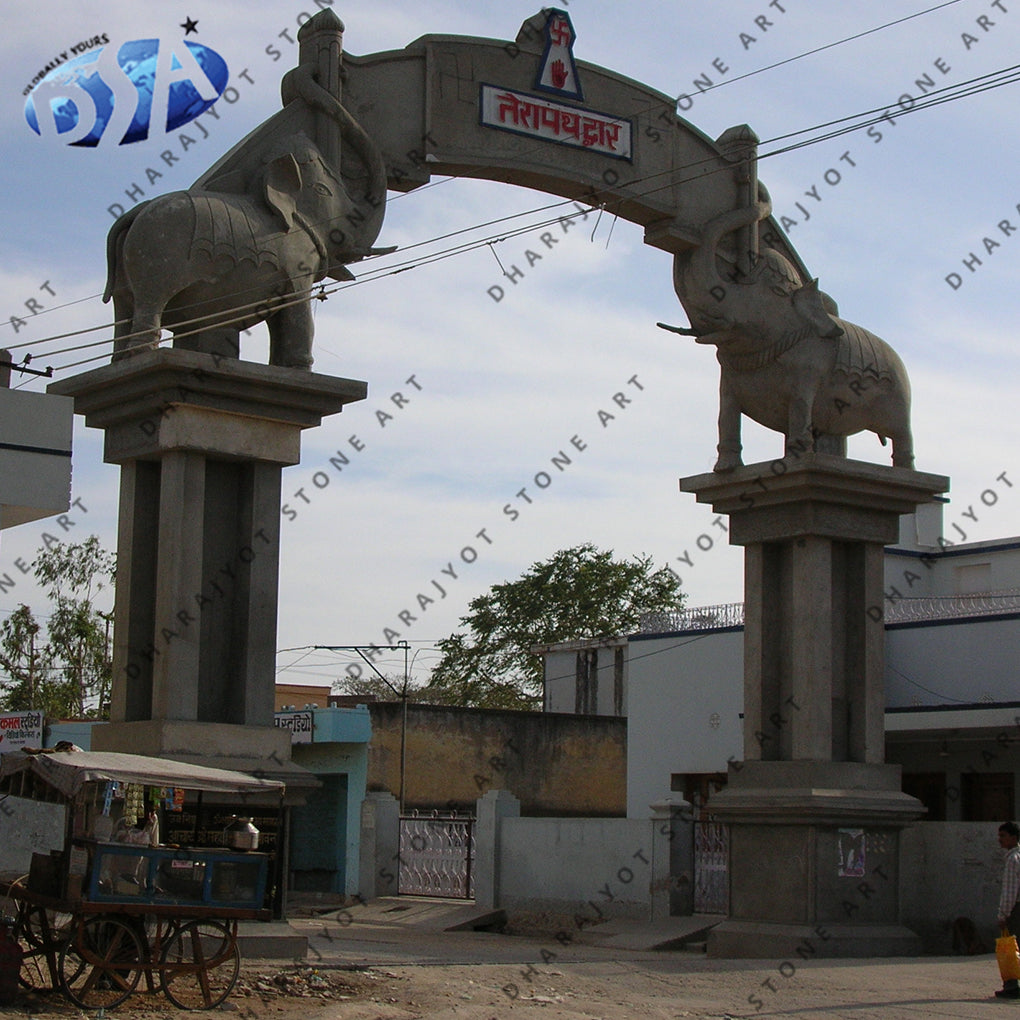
(711, 868)
(437, 856)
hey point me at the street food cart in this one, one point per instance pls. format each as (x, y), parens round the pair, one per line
(107, 907)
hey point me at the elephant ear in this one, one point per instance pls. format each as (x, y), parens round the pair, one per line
(282, 186)
(810, 303)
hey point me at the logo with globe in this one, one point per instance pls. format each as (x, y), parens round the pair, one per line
(119, 94)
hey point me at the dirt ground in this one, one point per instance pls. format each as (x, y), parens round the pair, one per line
(261, 991)
(673, 986)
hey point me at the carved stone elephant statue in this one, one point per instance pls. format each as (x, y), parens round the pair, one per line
(788, 361)
(207, 264)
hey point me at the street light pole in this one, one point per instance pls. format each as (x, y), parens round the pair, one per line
(402, 694)
(403, 730)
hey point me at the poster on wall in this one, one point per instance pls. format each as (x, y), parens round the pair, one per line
(20, 729)
(850, 848)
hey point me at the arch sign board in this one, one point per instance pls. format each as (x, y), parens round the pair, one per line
(528, 112)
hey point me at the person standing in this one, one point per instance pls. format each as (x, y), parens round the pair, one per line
(1009, 908)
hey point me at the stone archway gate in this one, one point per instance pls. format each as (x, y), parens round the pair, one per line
(527, 113)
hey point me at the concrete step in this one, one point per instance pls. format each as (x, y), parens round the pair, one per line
(270, 940)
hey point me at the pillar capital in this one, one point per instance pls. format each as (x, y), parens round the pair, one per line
(169, 399)
(815, 494)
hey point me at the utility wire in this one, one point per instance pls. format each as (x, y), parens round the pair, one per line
(829, 46)
(728, 81)
(851, 123)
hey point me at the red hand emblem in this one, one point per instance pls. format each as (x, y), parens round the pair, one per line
(559, 74)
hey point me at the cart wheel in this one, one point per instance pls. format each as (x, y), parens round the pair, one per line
(30, 929)
(101, 963)
(200, 965)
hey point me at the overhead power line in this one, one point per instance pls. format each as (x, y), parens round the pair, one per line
(728, 81)
(829, 46)
(840, 126)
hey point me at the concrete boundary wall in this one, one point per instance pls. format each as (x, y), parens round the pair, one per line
(27, 827)
(572, 868)
(585, 867)
(556, 765)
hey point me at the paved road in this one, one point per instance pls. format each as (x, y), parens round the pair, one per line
(613, 973)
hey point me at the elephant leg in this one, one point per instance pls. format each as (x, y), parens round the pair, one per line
(123, 316)
(835, 445)
(221, 342)
(145, 328)
(799, 436)
(903, 449)
(729, 428)
(290, 336)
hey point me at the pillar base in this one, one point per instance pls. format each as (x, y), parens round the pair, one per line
(814, 855)
(836, 793)
(264, 751)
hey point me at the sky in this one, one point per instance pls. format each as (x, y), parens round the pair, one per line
(491, 391)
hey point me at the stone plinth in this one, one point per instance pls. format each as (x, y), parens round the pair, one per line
(264, 751)
(201, 441)
(792, 888)
(813, 784)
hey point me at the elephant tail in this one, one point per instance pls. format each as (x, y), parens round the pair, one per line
(114, 244)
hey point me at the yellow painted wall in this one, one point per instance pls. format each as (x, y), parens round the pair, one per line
(299, 696)
(556, 765)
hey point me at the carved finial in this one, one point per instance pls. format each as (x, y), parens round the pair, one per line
(739, 145)
(321, 46)
(325, 21)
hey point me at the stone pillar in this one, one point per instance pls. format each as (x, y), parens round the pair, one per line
(672, 859)
(380, 845)
(813, 784)
(491, 809)
(202, 441)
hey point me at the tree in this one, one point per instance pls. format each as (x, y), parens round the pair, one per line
(21, 659)
(390, 688)
(69, 675)
(579, 593)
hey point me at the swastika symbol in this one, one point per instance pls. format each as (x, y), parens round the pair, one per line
(559, 32)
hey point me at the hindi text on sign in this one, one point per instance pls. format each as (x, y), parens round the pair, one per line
(536, 117)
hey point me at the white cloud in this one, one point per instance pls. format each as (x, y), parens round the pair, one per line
(506, 385)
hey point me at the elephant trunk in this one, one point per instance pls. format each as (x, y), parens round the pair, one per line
(300, 83)
(703, 268)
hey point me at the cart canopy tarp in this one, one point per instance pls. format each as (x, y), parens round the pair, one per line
(68, 771)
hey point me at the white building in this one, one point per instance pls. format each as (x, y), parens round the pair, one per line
(952, 678)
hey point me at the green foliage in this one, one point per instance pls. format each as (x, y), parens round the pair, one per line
(577, 594)
(22, 660)
(67, 674)
(372, 687)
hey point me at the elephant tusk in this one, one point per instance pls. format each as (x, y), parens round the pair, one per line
(682, 330)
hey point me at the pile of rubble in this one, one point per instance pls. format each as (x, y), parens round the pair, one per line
(296, 982)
